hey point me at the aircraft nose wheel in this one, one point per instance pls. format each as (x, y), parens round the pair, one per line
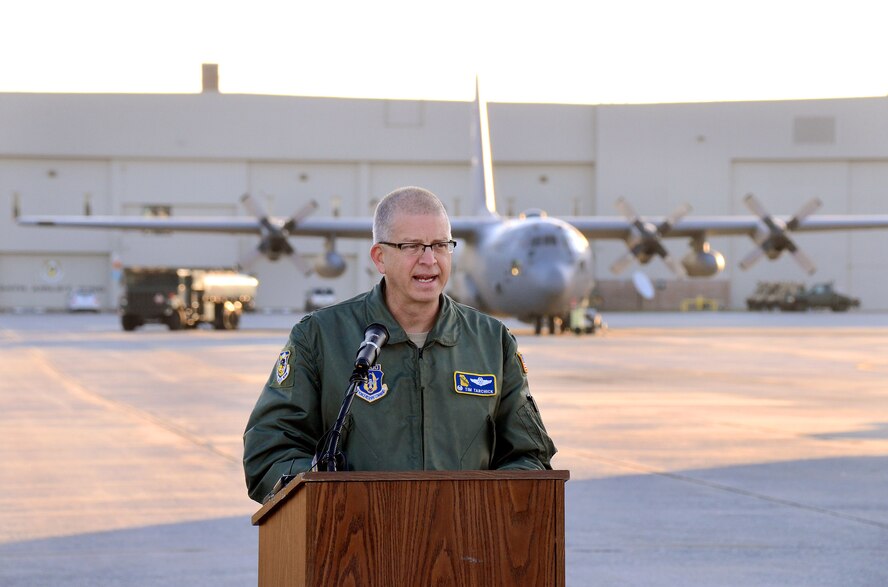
(554, 324)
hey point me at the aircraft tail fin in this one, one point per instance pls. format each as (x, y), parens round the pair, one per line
(482, 166)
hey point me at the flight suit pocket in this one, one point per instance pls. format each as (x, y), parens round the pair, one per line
(533, 424)
(480, 450)
(360, 448)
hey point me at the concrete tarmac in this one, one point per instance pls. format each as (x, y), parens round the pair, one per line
(716, 449)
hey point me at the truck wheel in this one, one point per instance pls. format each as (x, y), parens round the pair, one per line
(174, 321)
(226, 318)
(129, 322)
(219, 316)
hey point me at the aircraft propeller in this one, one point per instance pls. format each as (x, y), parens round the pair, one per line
(777, 239)
(648, 239)
(274, 241)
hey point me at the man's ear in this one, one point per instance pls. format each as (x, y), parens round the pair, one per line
(376, 255)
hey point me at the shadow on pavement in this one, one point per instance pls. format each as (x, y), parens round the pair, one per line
(795, 523)
(221, 552)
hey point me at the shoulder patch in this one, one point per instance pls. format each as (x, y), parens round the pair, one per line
(521, 359)
(474, 383)
(283, 366)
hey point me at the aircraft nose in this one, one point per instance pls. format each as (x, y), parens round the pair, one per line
(550, 280)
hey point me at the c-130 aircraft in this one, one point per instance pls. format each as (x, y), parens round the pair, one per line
(535, 267)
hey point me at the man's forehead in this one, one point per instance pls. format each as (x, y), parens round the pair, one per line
(417, 226)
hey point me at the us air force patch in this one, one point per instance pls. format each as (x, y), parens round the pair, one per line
(283, 367)
(523, 364)
(373, 388)
(474, 383)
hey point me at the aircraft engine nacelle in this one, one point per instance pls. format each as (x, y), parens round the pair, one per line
(330, 264)
(703, 263)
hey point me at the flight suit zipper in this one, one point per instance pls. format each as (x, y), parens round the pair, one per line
(421, 389)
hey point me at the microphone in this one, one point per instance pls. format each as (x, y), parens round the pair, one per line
(375, 337)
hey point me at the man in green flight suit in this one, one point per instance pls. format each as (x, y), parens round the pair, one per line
(449, 391)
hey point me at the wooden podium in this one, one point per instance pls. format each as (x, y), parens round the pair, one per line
(369, 529)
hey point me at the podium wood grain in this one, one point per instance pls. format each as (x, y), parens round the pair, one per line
(469, 528)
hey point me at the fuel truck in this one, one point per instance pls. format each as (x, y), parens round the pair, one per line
(185, 298)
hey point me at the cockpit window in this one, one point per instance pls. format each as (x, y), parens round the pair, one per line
(546, 239)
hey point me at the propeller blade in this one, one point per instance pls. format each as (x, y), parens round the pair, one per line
(626, 209)
(674, 265)
(622, 263)
(247, 261)
(803, 213)
(300, 215)
(804, 261)
(673, 218)
(296, 259)
(257, 210)
(252, 206)
(755, 206)
(753, 256)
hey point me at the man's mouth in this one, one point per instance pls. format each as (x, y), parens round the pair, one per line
(425, 278)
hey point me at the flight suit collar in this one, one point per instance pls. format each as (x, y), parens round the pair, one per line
(445, 331)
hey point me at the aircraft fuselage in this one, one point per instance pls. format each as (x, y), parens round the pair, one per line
(528, 268)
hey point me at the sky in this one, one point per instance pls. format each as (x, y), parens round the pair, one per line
(563, 51)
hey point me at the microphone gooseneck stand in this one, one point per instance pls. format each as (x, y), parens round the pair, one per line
(330, 457)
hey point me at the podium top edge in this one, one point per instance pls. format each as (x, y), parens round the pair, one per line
(365, 476)
(402, 476)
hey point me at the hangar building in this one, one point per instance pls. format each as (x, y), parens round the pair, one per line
(197, 154)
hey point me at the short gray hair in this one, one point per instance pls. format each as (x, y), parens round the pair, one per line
(406, 200)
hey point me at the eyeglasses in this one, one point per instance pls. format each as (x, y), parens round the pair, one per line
(417, 249)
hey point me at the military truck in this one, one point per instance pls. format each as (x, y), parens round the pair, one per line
(185, 298)
(819, 295)
(769, 295)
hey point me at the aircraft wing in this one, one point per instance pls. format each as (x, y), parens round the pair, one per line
(825, 222)
(462, 227)
(602, 227)
(468, 227)
(345, 227)
(615, 227)
(352, 227)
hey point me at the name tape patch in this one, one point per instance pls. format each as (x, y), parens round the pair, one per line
(474, 383)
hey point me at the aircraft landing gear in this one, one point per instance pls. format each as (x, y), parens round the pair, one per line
(554, 324)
